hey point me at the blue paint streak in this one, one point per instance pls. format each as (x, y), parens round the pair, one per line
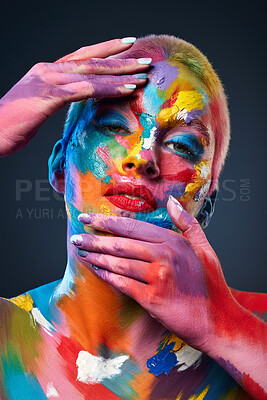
(148, 122)
(127, 376)
(159, 217)
(19, 384)
(163, 361)
(190, 143)
(41, 297)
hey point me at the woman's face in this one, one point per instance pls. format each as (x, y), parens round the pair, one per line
(126, 156)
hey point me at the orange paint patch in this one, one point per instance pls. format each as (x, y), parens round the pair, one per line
(94, 319)
(143, 385)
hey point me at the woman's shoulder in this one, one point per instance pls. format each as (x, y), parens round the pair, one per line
(25, 309)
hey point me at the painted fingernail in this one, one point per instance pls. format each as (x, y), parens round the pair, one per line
(140, 76)
(179, 205)
(76, 239)
(130, 86)
(94, 267)
(144, 61)
(82, 253)
(128, 40)
(85, 217)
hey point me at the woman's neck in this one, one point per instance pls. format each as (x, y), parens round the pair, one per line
(101, 319)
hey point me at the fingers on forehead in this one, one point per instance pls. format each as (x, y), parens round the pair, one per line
(129, 227)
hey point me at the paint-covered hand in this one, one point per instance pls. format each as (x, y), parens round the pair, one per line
(48, 87)
(176, 277)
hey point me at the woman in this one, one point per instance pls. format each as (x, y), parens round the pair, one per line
(143, 311)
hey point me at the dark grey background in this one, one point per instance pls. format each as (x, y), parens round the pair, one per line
(231, 34)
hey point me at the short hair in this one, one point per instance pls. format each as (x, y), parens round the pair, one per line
(174, 49)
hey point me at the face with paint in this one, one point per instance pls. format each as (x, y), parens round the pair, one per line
(126, 156)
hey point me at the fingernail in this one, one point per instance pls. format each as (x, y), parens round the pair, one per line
(128, 40)
(144, 61)
(179, 205)
(82, 253)
(140, 76)
(130, 86)
(94, 266)
(76, 239)
(86, 218)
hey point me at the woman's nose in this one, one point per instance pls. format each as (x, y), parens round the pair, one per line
(141, 167)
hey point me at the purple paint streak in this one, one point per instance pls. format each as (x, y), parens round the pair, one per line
(164, 74)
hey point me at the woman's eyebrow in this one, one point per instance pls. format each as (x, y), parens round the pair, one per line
(199, 126)
(110, 113)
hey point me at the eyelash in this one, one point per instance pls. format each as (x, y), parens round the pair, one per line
(124, 131)
(192, 153)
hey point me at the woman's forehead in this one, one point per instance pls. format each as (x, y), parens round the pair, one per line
(171, 92)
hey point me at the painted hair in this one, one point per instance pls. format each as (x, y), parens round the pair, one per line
(174, 49)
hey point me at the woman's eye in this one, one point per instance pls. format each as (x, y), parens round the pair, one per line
(179, 147)
(117, 129)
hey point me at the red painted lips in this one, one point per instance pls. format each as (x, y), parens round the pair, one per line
(118, 195)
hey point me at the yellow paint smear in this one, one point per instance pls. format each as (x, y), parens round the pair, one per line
(24, 301)
(136, 140)
(170, 338)
(187, 100)
(199, 396)
(199, 179)
(106, 210)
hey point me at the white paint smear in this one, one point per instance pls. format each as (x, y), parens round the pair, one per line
(93, 369)
(205, 171)
(51, 391)
(181, 115)
(186, 357)
(40, 319)
(148, 142)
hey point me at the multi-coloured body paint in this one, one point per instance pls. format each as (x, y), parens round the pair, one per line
(40, 364)
(101, 331)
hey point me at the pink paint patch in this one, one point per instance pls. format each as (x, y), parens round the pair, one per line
(104, 153)
(123, 142)
(50, 372)
(147, 155)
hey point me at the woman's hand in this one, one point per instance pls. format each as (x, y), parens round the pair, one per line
(48, 87)
(176, 277)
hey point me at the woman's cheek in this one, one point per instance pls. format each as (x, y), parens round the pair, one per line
(195, 179)
(175, 169)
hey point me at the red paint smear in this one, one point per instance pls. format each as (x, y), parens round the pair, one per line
(239, 322)
(254, 388)
(182, 176)
(69, 350)
(254, 302)
(136, 105)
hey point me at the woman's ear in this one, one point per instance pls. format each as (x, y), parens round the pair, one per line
(56, 168)
(207, 209)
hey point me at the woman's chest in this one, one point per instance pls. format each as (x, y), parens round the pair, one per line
(68, 372)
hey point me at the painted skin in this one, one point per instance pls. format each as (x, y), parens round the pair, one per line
(82, 316)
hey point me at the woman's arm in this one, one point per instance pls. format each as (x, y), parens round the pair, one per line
(254, 302)
(239, 345)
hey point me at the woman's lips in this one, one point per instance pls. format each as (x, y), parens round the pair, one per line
(131, 197)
